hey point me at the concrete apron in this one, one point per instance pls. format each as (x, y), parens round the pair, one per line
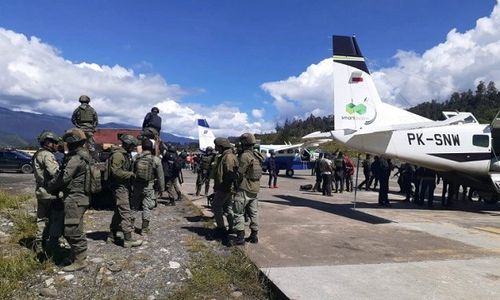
(316, 247)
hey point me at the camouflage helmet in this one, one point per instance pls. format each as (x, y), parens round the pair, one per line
(222, 142)
(171, 148)
(84, 99)
(247, 139)
(129, 139)
(74, 135)
(48, 135)
(155, 110)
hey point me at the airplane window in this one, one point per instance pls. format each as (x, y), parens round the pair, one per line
(289, 151)
(281, 151)
(470, 119)
(263, 151)
(481, 140)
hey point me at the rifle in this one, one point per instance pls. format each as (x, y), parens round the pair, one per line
(181, 177)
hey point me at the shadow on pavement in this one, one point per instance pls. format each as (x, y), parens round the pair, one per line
(343, 210)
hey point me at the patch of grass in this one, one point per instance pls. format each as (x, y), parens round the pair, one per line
(216, 274)
(10, 201)
(16, 263)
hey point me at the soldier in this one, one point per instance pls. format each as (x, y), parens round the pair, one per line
(349, 172)
(339, 172)
(325, 167)
(203, 171)
(85, 118)
(317, 172)
(171, 169)
(245, 200)
(383, 174)
(72, 182)
(152, 120)
(50, 214)
(225, 174)
(147, 168)
(273, 170)
(367, 172)
(120, 177)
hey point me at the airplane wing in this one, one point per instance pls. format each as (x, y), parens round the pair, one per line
(281, 148)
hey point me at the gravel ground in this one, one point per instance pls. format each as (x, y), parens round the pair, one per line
(152, 271)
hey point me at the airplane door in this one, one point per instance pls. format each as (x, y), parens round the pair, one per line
(495, 143)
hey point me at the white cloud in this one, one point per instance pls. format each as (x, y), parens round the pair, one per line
(257, 113)
(34, 76)
(457, 64)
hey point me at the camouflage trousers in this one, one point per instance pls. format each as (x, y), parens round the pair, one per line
(202, 178)
(122, 218)
(49, 219)
(91, 144)
(173, 188)
(245, 202)
(223, 205)
(143, 197)
(73, 222)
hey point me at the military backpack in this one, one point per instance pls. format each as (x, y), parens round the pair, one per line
(93, 177)
(254, 171)
(144, 168)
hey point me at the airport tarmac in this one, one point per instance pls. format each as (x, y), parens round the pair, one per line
(317, 247)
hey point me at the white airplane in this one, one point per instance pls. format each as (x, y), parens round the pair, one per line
(288, 156)
(459, 148)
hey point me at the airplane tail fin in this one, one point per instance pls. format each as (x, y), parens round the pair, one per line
(205, 135)
(357, 104)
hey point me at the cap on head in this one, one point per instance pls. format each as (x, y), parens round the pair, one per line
(48, 135)
(129, 139)
(155, 110)
(222, 142)
(84, 99)
(74, 135)
(247, 139)
(209, 149)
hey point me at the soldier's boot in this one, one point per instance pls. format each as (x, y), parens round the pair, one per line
(38, 247)
(112, 238)
(129, 241)
(198, 190)
(172, 202)
(145, 227)
(240, 238)
(79, 263)
(253, 237)
(207, 188)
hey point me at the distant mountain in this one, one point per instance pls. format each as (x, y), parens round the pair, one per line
(20, 129)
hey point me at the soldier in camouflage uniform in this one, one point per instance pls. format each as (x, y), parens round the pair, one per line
(143, 191)
(71, 181)
(85, 118)
(50, 213)
(245, 200)
(225, 173)
(121, 176)
(203, 171)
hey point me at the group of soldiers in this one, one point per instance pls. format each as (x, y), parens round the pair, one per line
(63, 190)
(333, 171)
(236, 170)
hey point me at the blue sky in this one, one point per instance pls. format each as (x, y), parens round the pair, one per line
(221, 52)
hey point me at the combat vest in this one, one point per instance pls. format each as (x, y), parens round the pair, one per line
(42, 175)
(254, 170)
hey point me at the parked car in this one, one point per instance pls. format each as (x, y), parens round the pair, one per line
(15, 160)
